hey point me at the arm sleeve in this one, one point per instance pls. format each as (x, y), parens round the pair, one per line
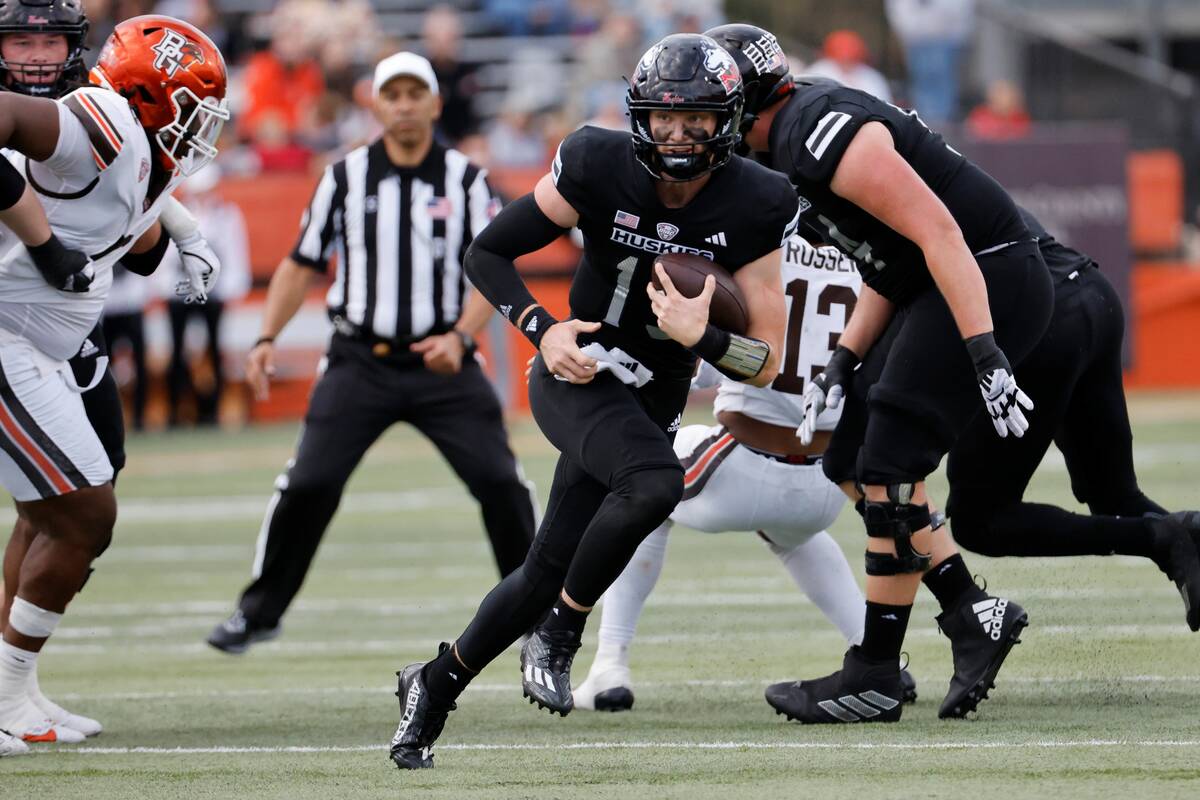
(317, 230)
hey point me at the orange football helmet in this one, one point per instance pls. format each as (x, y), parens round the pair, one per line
(174, 78)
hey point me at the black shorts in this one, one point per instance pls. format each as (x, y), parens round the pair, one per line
(103, 401)
(606, 427)
(916, 390)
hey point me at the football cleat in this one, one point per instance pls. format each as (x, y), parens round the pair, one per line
(606, 689)
(421, 719)
(546, 669)
(908, 687)
(23, 720)
(1176, 538)
(863, 690)
(981, 635)
(236, 634)
(11, 746)
(63, 718)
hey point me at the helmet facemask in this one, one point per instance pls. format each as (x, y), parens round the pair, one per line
(702, 155)
(190, 140)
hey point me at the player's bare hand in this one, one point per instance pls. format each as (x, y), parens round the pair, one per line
(260, 368)
(684, 319)
(563, 356)
(443, 353)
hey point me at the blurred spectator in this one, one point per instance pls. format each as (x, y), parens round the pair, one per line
(124, 329)
(458, 81)
(1002, 115)
(528, 17)
(516, 139)
(223, 225)
(604, 57)
(283, 83)
(844, 59)
(204, 16)
(933, 33)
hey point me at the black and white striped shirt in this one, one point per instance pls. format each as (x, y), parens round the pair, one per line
(400, 234)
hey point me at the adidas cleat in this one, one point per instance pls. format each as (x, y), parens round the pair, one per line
(609, 689)
(11, 746)
(908, 687)
(863, 690)
(421, 720)
(236, 634)
(546, 670)
(1176, 538)
(981, 635)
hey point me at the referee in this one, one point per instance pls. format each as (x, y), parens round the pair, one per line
(400, 213)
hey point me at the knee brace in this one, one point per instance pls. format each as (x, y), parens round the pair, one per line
(897, 519)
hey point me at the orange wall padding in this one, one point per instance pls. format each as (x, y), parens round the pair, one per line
(1166, 302)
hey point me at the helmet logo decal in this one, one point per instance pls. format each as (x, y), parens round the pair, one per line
(174, 52)
(667, 231)
(718, 62)
(35, 20)
(764, 53)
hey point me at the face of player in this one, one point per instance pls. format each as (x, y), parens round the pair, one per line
(681, 129)
(34, 58)
(407, 109)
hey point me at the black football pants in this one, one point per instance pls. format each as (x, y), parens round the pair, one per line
(356, 399)
(1073, 377)
(617, 479)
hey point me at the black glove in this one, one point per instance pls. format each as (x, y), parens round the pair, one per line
(1003, 398)
(65, 270)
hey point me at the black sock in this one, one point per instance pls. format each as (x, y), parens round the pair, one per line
(1037, 529)
(951, 583)
(564, 618)
(446, 678)
(884, 631)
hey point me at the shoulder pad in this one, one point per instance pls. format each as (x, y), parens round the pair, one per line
(100, 116)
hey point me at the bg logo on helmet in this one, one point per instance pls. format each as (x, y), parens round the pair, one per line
(174, 52)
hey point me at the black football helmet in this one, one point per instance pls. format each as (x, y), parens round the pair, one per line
(765, 71)
(45, 16)
(685, 72)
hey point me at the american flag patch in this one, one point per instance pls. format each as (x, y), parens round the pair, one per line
(439, 208)
(626, 219)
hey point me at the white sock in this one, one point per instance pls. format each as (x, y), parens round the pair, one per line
(16, 665)
(819, 568)
(624, 600)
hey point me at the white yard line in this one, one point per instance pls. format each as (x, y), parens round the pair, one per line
(365, 748)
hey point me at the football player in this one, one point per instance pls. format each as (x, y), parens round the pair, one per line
(954, 286)
(41, 43)
(104, 160)
(751, 473)
(609, 384)
(1075, 372)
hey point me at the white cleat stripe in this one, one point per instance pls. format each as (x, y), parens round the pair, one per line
(852, 702)
(881, 700)
(833, 709)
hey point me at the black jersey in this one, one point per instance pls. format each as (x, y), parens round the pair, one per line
(744, 212)
(810, 135)
(1063, 262)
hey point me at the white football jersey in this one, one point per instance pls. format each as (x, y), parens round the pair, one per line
(821, 286)
(94, 189)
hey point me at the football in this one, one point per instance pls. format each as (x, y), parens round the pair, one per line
(728, 308)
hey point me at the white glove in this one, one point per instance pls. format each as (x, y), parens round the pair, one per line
(201, 266)
(1003, 398)
(1004, 401)
(826, 391)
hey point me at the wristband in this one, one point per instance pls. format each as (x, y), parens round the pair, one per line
(468, 341)
(263, 340)
(985, 354)
(843, 358)
(738, 357)
(178, 222)
(12, 185)
(537, 321)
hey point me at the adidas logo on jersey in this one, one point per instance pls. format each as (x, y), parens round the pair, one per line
(674, 426)
(990, 613)
(716, 238)
(855, 708)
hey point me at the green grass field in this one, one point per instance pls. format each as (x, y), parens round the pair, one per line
(1102, 699)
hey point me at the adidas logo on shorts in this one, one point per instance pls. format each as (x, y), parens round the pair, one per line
(990, 613)
(856, 708)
